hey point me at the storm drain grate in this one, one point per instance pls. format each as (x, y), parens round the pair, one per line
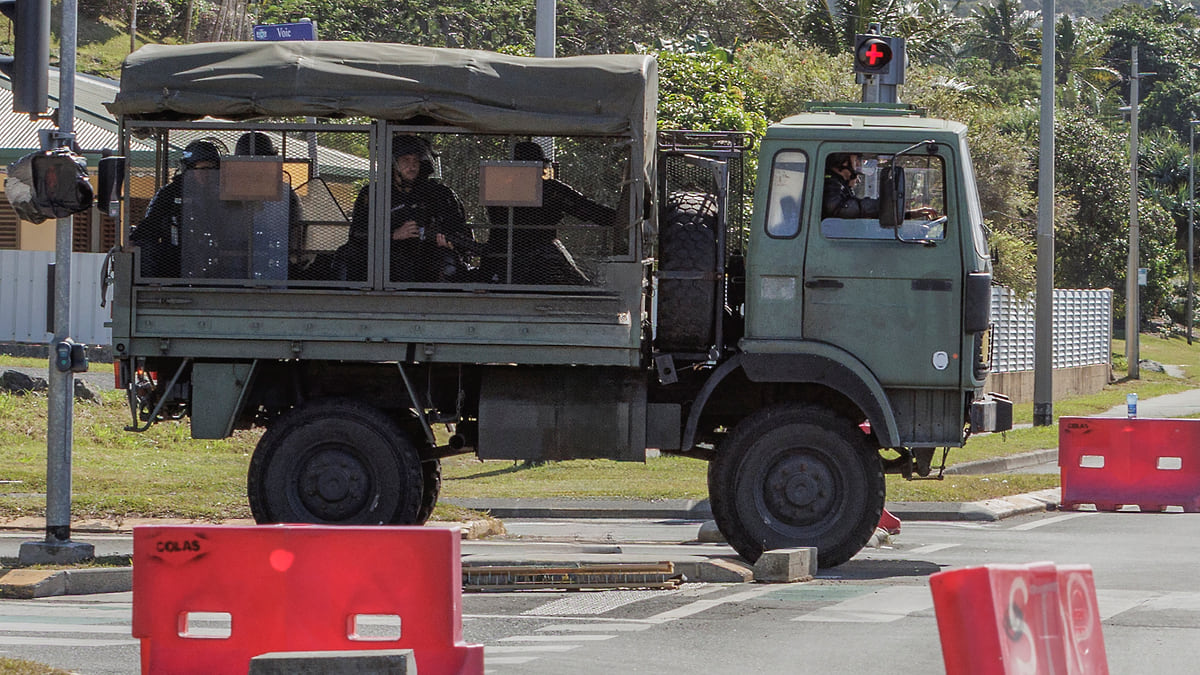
(570, 577)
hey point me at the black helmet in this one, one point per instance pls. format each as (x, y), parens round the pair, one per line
(529, 151)
(414, 145)
(254, 143)
(199, 151)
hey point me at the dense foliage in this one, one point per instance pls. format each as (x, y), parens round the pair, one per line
(736, 64)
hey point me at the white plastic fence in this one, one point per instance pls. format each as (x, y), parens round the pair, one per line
(23, 298)
(1082, 329)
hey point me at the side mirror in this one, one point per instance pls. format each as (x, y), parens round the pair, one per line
(891, 196)
(110, 182)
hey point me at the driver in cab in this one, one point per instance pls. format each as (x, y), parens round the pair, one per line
(842, 173)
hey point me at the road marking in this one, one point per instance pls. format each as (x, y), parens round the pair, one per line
(1112, 603)
(522, 649)
(882, 606)
(593, 627)
(1047, 521)
(928, 548)
(594, 603)
(702, 605)
(65, 628)
(63, 642)
(1186, 601)
(556, 638)
(508, 661)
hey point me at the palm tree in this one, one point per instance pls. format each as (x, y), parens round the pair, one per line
(1081, 77)
(1005, 34)
(929, 27)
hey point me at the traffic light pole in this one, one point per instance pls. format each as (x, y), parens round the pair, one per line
(58, 548)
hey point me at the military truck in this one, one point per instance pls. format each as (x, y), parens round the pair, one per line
(716, 313)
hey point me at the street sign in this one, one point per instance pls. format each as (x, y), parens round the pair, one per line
(277, 32)
(1143, 272)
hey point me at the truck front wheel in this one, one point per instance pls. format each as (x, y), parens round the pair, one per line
(338, 462)
(797, 475)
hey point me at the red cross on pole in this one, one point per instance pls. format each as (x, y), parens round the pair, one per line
(874, 53)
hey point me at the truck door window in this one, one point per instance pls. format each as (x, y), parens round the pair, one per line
(850, 196)
(787, 193)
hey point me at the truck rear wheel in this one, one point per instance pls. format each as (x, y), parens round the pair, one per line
(337, 462)
(687, 243)
(797, 475)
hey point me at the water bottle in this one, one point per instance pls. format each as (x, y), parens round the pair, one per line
(1131, 405)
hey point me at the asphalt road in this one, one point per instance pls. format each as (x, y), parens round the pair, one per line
(871, 615)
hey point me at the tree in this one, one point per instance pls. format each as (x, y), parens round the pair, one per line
(1004, 34)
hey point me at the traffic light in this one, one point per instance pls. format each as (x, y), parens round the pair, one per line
(29, 66)
(880, 55)
(872, 54)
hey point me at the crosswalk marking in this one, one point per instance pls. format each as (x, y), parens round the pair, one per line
(507, 661)
(556, 638)
(62, 642)
(929, 548)
(702, 605)
(593, 627)
(522, 649)
(1048, 521)
(594, 603)
(25, 627)
(881, 606)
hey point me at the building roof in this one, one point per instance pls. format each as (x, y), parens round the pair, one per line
(95, 127)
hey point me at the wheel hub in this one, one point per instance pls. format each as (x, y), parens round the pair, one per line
(800, 490)
(334, 484)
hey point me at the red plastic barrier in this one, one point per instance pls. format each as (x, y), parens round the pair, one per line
(1019, 619)
(297, 588)
(889, 523)
(1113, 462)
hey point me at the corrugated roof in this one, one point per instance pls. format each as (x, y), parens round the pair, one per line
(95, 127)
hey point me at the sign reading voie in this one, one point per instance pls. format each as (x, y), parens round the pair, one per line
(275, 32)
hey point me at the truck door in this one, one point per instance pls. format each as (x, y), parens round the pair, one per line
(891, 298)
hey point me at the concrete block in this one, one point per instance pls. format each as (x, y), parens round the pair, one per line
(709, 534)
(349, 662)
(786, 565)
(55, 552)
(99, 580)
(715, 571)
(25, 584)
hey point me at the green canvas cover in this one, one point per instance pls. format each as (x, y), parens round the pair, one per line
(475, 90)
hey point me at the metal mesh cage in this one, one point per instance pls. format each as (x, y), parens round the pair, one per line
(289, 206)
(228, 205)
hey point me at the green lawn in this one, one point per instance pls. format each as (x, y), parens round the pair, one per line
(164, 473)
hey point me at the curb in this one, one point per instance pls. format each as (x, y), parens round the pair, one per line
(25, 584)
(1003, 464)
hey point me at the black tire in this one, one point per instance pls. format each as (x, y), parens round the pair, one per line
(687, 243)
(338, 462)
(795, 475)
(431, 487)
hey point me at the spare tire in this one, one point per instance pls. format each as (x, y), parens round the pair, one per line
(687, 243)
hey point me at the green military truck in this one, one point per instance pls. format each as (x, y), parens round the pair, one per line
(786, 346)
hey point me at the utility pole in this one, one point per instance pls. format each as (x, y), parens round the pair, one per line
(545, 28)
(1132, 320)
(1191, 248)
(58, 547)
(1043, 352)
